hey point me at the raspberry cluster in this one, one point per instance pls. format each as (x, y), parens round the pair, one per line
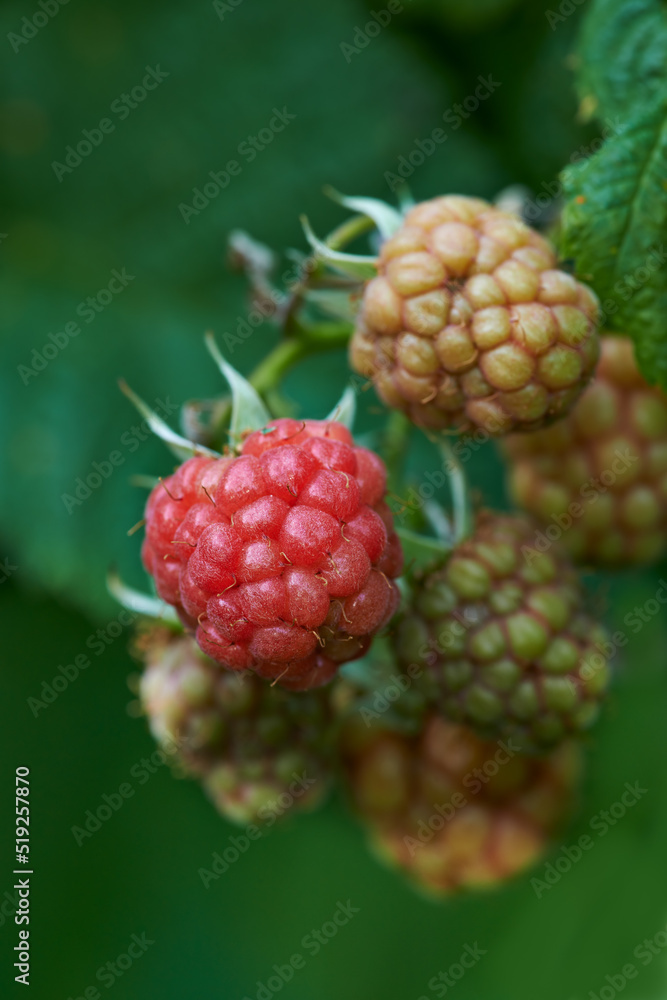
(598, 478)
(505, 645)
(282, 558)
(451, 811)
(469, 322)
(253, 745)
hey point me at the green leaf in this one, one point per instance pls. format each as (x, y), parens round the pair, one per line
(248, 410)
(614, 224)
(622, 56)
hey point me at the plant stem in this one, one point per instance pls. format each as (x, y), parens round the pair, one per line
(396, 439)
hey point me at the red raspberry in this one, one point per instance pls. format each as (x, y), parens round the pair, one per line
(281, 558)
(450, 810)
(598, 479)
(469, 323)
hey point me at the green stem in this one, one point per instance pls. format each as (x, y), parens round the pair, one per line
(272, 369)
(348, 231)
(458, 487)
(396, 439)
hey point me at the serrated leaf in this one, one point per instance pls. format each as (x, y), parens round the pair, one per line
(614, 224)
(178, 445)
(354, 265)
(248, 411)
(622, 56)
(345, 409)
(387, 219)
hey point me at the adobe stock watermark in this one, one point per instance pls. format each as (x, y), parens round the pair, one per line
(97, 642)
(271, 304)
(392, 691)
(7, 569)
(239, 844)
(248, 150)
(473, 781)
(454, 117)
(312, 943)
(100, 471)
(600, 825)
(121, 107)
(363, 35)
(589, 493)
(565, 10)
(222, 7)
(441, 983)
(111, 803)
(109, 973)
(31, 26)
(88, 310)
(644, 952)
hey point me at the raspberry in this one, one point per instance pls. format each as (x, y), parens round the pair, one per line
(253, 745)
(470, 324)
(506, 645)
(451, 811)
(281, 559)
(599, 477)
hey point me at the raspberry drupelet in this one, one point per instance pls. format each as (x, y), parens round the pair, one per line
(282, 558)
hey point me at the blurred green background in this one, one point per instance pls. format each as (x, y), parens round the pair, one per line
(228, 67)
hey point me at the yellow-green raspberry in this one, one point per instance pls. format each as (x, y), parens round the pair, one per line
(470, 324)
(511, 653)
(598, 478)
(451, 811)
(258, 750)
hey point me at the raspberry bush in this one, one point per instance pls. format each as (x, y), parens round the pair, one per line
(293, 651)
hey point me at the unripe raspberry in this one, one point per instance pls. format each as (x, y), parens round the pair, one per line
(281, 559)
(469, 323)
(254, 746)
(503, 638)
(598, 479)
(451, 811)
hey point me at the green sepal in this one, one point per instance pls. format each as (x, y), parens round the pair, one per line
(178, 445)
(345, 409)
(387, 219)
(248, 411)
(355, 265)
(142, 604)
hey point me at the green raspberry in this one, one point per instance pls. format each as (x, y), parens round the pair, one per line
(511, 652)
